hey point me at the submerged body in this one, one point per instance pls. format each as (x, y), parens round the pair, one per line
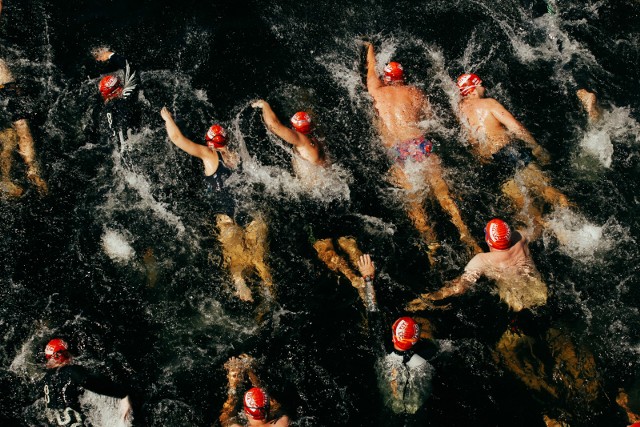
(400, 109)
(16, 133)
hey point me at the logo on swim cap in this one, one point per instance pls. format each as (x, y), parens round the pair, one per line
(256, 403)
(216, 137)
(393, 72)
(54, 347)
(498, 234)
(301, 122)
(405, 333)
(110, 87)
(468, 82)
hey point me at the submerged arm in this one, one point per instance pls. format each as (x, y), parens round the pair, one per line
(521, 132)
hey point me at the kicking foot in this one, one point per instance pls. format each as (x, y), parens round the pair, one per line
(11, 190)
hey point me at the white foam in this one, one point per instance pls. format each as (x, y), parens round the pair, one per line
(116, 245)
(582, 239)
(102, 411)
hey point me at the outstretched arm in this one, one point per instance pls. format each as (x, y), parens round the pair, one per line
(458, 286)
(518, 129)
(274, 125)
(373, 81)
(181, 141)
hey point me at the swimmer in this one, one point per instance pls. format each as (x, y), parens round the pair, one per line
(508, 264)
(16, 133)
(511, 268)
(64, 382)
(363, 282)
(404, 377)
(217, 159)
(590, 104)
(260, 409)
(116, 87)
(400, 108)
(243, 249)
(308, 150)
(492, 130)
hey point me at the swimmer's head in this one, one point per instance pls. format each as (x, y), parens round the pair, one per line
(216, 137)
(497, 233)
(467, 83)
(57, 350)
(256, 404)
(393, 72)
(301, 121)
(110, 87)
(405, 333)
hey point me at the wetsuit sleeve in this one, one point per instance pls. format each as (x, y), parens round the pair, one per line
(378, 331)
(97, 383)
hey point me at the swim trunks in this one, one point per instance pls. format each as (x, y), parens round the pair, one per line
(508, 160)
(417, 149)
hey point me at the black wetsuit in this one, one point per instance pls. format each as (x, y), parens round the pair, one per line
(121, 113)
(62, 388)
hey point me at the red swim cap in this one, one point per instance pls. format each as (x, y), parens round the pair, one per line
(498, 234)
(467, 83)
(110, 87)
(256, 403)
(301, 121)
(56, 349)
(393, 72)
(216, 137)
(405, 333)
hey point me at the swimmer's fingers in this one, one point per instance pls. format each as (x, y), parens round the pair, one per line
(165, 113)
(258, 104)
(365, 265)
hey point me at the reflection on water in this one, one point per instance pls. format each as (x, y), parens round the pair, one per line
(122, 257)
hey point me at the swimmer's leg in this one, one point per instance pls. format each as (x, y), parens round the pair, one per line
(590, 105)
(515, 352)
(574, 366)
(9, 141)
(535, 179)
(414, 205)
(349, 245)
(28, 153)
(441, 191)
(526, 210)
(256, 244)
(231, 236)
(328, 255)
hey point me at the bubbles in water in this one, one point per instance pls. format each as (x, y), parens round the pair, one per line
(102, 411)
(580, 238)
(116, 245)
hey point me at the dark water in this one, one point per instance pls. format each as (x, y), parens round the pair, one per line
(206, 61)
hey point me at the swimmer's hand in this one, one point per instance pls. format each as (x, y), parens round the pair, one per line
(366, 266)
(259, 103)
(102, 54)
(166, 115)
(424, 302)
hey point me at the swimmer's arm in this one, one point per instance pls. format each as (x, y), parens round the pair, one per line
(373, 81)
(179, 140)
(515, 127)
(275, 126)
(460, 285)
